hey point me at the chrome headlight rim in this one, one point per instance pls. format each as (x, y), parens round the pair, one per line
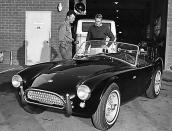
(83, 92)
(17, 81)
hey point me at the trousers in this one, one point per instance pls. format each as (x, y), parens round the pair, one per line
(66, 50)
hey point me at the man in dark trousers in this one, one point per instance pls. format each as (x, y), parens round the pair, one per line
(65, 36)
(98, 31)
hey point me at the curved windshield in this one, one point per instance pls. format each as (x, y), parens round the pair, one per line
(118, 50)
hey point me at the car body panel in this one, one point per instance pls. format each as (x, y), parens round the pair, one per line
(97, 71)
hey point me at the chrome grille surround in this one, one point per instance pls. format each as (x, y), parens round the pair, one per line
(42, 97)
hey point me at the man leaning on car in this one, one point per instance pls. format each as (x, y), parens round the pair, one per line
(98, 31)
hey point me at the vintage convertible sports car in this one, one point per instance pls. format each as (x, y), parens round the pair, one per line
(95, 83)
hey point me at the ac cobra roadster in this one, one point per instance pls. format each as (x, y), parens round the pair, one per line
(94, 83)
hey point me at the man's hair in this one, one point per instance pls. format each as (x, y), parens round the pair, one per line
(70, 12)
(99, 16)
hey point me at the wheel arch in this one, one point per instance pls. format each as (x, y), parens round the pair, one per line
(109, 82)
(103, 86)
(151, 91)
(159, 63)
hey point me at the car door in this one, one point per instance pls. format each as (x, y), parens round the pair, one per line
(128, 82)
(144, 78)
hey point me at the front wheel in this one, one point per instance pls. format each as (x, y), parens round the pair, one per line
(155, 86)
(108, 109)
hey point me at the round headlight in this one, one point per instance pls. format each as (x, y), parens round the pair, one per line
(16, 80)
(83, 92)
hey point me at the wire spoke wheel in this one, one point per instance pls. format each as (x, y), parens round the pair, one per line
(157, 86)
(108, 108)
(112, 107)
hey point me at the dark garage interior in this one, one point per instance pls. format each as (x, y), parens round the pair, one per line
(135, 20)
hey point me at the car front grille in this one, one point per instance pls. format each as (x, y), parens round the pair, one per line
(45, 97)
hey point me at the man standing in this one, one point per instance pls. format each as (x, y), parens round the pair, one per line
(65, 36)
(98, 31)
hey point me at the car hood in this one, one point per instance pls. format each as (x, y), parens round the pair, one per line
(64, 76)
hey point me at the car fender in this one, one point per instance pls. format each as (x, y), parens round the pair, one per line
(109, 82)
(103, 86)
(159, 63)
(30, 73)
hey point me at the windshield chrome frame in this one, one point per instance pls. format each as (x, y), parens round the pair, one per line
(115, 43)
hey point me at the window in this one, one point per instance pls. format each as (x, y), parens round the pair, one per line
(86, 25)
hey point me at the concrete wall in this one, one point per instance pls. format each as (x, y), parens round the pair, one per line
(12, 24)
(168, 54)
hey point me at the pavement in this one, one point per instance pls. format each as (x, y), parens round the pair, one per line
(140, 114)
(7, 67)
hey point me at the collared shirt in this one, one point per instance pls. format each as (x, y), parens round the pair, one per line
(65, 34)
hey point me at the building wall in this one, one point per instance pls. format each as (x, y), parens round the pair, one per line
(12, 24)
(168, 54)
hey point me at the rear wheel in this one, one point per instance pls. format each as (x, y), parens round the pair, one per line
(108, 109)
(154, 89)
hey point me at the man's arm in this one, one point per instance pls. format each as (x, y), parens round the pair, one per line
(110, 35)
(88, 34)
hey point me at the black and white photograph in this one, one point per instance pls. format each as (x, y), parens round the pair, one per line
(85, 65)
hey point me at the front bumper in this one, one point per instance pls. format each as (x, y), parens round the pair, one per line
(49, 99)
(68, 105)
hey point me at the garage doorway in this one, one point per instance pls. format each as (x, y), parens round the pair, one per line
(37, 35)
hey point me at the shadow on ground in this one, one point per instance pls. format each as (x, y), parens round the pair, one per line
(6, 88)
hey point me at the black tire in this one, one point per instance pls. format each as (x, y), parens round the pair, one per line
(30, 108)
(99, 117)
(153, 91)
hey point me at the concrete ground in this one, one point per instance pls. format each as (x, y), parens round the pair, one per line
(141, 114)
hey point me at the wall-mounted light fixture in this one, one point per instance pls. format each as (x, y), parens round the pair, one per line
(59, 7)
(80, 7)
